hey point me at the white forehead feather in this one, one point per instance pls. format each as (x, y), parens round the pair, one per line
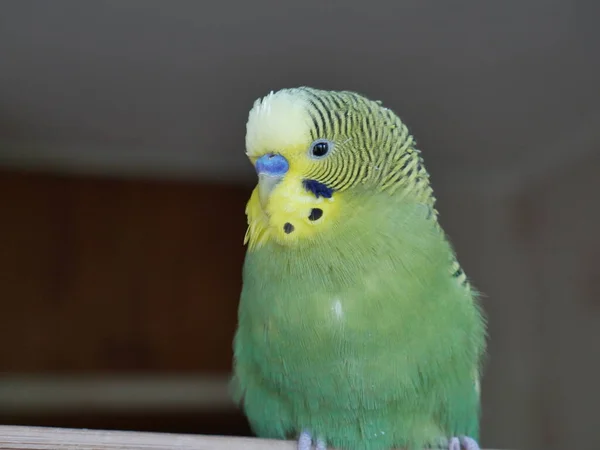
(276, 121)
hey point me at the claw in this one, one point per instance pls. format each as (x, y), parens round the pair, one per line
(321, 445)
(454, 444)
(463, 443)
(469, 443)
(305, 442)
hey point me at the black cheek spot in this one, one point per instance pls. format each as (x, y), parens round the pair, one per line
(315, 214)
(288, 228)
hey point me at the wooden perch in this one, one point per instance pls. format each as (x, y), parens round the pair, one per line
(40, 438)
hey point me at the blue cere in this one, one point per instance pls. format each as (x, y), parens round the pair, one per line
(272, 164)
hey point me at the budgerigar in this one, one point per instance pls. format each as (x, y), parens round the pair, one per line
(357, 327)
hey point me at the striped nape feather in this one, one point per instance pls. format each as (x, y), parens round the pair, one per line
(372, 146)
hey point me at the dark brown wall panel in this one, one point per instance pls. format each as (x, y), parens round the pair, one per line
(103, 275)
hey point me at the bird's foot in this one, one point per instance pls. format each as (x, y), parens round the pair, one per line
(305, 442)
(463, 443)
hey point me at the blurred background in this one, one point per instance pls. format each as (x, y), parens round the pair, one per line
(123, 183)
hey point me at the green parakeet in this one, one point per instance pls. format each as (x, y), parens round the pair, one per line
(357, 327)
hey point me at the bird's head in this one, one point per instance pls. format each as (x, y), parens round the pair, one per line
(317, 153)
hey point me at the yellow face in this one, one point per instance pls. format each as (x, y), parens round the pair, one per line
(287, 206)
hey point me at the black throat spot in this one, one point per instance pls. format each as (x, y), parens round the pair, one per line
(318, 189)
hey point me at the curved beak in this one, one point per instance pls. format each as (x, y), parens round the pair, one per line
(271, 168)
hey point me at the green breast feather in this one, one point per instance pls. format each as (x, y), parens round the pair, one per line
(367, 341)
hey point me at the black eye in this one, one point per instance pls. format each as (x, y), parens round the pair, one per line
(320, 149)
(315, 214)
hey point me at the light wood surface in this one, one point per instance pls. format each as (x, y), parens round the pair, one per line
(39, 438)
